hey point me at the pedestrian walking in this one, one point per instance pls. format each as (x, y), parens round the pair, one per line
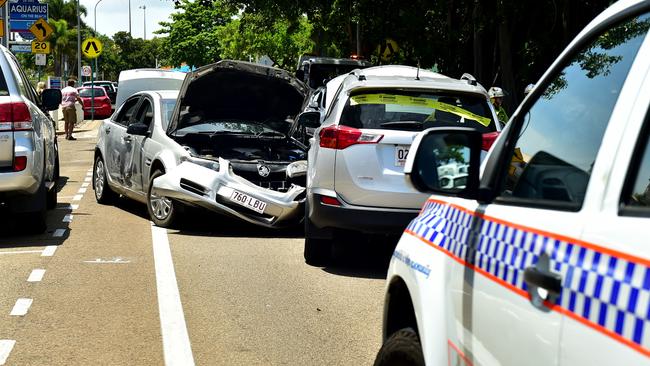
(496, 97)
(70, 95)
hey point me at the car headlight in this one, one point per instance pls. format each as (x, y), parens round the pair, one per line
(297, 169)
(210, 164)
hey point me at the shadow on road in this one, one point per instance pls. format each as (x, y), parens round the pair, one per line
(15, 229)
(362, 258)
(197, 222)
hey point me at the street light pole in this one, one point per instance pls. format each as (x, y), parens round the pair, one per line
(130, 18)
(144, 9)
(92, 73)
(78, 44)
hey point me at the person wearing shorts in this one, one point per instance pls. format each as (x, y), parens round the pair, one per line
(70, 95)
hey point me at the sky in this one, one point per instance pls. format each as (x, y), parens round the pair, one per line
(113, 15)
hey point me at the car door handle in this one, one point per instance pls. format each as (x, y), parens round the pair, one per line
(107, 130)
(551, 282)
(127, 138)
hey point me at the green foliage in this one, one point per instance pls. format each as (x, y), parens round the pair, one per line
(192, 35)
(250, 37)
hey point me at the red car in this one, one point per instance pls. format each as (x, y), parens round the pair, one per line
(102, 101)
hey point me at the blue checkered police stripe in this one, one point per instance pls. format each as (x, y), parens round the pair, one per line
(606, 290)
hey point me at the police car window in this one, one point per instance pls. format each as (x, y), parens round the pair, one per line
(639, 196)
(562, 132)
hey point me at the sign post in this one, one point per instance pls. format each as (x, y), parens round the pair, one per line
(92, 48)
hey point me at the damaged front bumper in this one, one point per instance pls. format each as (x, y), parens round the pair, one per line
(224, 192)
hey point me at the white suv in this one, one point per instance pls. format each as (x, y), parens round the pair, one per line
(544, 258)
(29, 157)
(355, 180)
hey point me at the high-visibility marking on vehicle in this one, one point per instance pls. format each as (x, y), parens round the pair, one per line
(49, 251)
(176, 341)
(452, 349)
(21, 307)
(36, 275)
(6, 345)
(606, 290)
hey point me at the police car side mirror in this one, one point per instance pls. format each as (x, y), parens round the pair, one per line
(445, 161)
(50, 99)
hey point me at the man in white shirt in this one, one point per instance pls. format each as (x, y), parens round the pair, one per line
(69, 96)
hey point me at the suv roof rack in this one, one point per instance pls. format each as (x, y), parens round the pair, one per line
(471, 80)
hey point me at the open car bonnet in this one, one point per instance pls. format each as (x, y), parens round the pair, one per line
(236, 90)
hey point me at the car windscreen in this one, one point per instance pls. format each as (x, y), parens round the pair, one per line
(88, 93)
(167, 108)
(227, 127)
(416, 111)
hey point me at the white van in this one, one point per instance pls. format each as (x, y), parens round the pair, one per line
(137, 80)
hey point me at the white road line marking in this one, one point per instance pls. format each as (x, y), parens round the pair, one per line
(58, 233)
(82, 190)
(49, 251)
(68, 218)
(22, 252)
(114, 260)
(176, 341)
(84, 185)
(6, 345)
(89, 174)
(88, 179)
(74, 207)
(77, 197)
(22, 307)
(36, 275)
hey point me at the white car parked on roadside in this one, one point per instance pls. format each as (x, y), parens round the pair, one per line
(355, 180)
(544, 257)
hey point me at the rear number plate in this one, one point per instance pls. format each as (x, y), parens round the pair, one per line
(401, 153)
(248, 201)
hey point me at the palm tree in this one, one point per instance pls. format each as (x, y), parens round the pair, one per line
(61, 39)
(60, 9)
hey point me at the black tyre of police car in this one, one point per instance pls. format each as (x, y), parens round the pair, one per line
(401, 349)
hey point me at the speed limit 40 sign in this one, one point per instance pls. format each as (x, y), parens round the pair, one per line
(40, 47)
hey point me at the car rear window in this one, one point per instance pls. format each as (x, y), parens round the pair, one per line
(87, 93)
(416, 111)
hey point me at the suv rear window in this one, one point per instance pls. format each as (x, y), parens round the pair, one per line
(416, 111)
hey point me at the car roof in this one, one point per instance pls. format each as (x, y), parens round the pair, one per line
(407, 77)
(150, 73)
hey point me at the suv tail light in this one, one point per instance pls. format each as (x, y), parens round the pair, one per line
(488, 140)
(20, 163)
(341, 137)
(16, 115)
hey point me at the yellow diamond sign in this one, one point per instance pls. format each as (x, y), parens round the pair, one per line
(41, 29)
(91, 47)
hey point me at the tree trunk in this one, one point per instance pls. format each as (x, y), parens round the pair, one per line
(505, 60)
(477, 42)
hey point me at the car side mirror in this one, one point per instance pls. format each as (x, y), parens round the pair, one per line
(445, 161)
(50, 99)
(138, 129)
(309, 119)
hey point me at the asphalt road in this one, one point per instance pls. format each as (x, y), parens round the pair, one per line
(104, 287)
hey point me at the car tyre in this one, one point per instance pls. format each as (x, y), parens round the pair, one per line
(401, 348)
(163, 211)
(52, 194)
(103, 192)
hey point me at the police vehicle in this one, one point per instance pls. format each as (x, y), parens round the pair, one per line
(543, 257)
